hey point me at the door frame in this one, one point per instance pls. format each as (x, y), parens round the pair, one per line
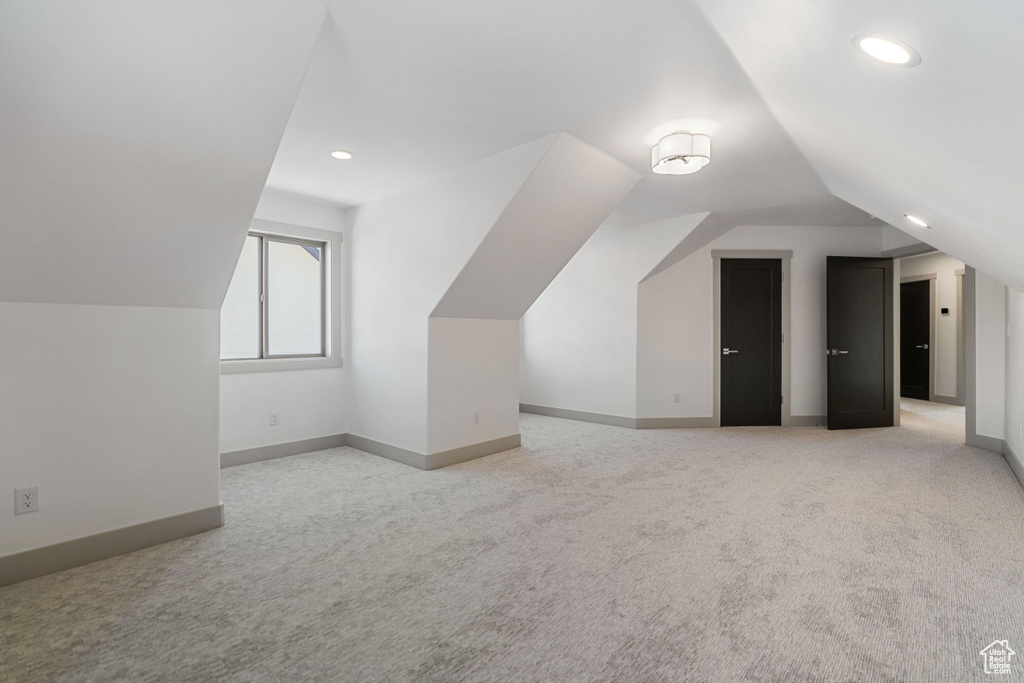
(931, 277)
(970, 310)
(785, 256)
(961, 344)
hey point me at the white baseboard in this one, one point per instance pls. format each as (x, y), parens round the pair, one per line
(1014, 462)
(433, 461)
(30, 564)
(675, 422)
(580, 415)
(281, 450)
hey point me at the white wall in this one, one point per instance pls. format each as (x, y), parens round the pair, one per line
(111, 411)
(895, 239)
(990, 345)
(944, 267)
(406, 250)
(1014, 411)
(115, 259)
(579, 339)
(676, 325)
(472, 368)
(478, 243)
(309, 403)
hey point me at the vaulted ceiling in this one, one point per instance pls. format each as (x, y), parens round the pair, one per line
(137, 136)
(797, 114)
(415, 89)
(942, 141)
(135, 139)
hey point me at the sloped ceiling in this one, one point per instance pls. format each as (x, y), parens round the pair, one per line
(831, 212)
(942, 141)
(136, 138)
(568, 195)
(416, 89)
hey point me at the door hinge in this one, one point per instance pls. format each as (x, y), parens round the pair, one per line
(782, 399)
(783, 338)
(783, 279)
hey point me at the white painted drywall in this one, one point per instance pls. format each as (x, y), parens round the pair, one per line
(285, 207)
(871, 132)
(944, 267)
(477, 243)
(405, 252)
(896, 239)
(990, 340)
(676, 319)
(111, 411)
(473, 368)
(309, 403)
(137, 138)
(579, 338)
(569, 194)
(1014, 411)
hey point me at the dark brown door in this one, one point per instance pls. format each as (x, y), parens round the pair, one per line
(751, 334)
(915, 329)
(860, 342)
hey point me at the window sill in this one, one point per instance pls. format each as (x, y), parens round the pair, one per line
(231, 367)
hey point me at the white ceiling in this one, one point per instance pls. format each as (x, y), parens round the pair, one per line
(136, 139)
(943, 140)
(416, 89)
(137, 136)
(795, 111)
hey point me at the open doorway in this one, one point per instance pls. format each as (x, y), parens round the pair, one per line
(932, 343)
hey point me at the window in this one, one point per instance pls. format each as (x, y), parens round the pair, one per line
(278, 307)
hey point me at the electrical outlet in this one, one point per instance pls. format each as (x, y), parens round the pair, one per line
(476, 418)
(273, 419)
(26, 500)
(675, 398)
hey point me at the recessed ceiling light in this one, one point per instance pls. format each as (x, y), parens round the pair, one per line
(915, 220)
(885, 49)
(341, 154)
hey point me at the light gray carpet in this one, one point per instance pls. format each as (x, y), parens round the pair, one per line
(938, 412)
(593, 553)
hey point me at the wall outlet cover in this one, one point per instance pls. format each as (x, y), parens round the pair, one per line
(26, 500)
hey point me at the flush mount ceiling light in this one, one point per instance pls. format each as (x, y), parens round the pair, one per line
(916, 221)
(341, 155)
(885, 49)
(680, 153)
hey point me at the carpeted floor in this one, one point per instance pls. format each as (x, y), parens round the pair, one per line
(592, 553)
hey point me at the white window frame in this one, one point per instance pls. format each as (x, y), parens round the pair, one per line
(332, 356)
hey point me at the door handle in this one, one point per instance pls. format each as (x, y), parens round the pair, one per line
(843, 352)
(834, 352)
(921, 346)
(726, 351)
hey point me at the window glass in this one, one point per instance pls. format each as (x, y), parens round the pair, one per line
(240, 314)
(294, 298)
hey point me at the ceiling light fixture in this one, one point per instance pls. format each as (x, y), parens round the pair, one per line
(916, 221)
(680, 153)
(885, 49)
(341, 155)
